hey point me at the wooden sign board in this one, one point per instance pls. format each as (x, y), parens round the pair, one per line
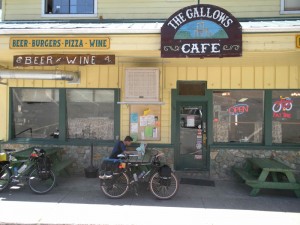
(63, 59)
(200, 31)
(59, 43)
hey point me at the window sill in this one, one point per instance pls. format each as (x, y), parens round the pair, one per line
(69, 15)
(141, 103)
(54, 141)
(289, 12)
(250, 146)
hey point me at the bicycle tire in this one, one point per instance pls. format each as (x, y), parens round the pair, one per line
(5, 175)
(40, 185)
(160, 190)
(115, 187)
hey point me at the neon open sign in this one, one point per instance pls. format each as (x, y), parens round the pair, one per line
(238, 109)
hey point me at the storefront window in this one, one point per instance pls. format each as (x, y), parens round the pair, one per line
(238, 116)
(90, 114)
(286, 116)
(35, 112)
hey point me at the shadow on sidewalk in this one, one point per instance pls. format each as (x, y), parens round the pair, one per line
(224, 195)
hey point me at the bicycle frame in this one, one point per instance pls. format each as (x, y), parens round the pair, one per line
(39, 180)
(13, 163)
(116, 184)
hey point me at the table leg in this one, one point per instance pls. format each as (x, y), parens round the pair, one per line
(274, 176)
(262, 177)
(254, 192)
(292, 179)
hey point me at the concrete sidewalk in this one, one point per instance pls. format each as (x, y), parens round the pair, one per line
(79, 200)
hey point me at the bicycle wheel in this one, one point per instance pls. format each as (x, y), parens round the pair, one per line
(41, 183)
(115, 187)
(5, 175)
(162, 190)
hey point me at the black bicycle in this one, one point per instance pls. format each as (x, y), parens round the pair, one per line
(35, 171)
(117, 176)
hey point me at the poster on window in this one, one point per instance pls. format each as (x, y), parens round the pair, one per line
(145, 122)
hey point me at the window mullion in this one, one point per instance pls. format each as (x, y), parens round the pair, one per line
(62, 115)
(268, 117)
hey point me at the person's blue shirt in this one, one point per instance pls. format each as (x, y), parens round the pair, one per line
(119, 148)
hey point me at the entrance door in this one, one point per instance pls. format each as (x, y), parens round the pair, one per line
(191, 153)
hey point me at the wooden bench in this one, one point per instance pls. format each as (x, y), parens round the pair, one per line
(264, 173)
(60, 167)
(244, 174)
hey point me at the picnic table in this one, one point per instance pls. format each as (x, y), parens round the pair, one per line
(268, 173)
(59, 165)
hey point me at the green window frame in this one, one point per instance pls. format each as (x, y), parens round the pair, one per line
(268, 124)
(60, 97)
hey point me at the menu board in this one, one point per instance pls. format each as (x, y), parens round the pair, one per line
(145, 122)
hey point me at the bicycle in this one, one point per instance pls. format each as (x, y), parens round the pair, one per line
(35, 171)
(116, 183)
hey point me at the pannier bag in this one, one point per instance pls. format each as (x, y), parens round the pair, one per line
(165, 175)
(44, 166)
(43, 163)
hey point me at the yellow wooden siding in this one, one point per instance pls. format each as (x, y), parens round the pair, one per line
(248, 77)
(140, 9)
(144, 9)
(294, 77)
(260, 67)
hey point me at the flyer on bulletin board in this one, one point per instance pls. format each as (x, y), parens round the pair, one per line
(145, 122)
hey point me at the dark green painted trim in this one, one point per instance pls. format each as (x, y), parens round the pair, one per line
(268, 116)
(176, 100)
(174, 140)
(210, 116)
(62, 114)
(256, 147)
(117, 115)
(56, 142)
(10, 115)
(63, 123)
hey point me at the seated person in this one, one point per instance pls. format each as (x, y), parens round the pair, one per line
(120, 147)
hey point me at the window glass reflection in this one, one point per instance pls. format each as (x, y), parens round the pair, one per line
(238, 116)
(90, 114)
(286, 116)
(35, 112)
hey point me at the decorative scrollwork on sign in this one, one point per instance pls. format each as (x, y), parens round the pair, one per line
(231, 47)
(171, 48)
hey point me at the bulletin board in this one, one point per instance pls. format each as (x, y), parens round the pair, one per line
(145, 122)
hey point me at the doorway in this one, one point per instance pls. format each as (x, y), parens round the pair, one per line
(191, 153)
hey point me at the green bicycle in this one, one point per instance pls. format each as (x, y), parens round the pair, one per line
(35, 171)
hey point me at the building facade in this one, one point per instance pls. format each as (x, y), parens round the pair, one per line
(209, 84)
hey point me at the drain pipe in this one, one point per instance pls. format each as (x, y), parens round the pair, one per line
(40, 75)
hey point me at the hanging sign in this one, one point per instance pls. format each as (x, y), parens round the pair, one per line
(59, 43)
(63, 59)
(201, 31)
